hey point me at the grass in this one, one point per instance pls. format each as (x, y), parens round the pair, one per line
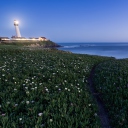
(111, 81)
(46, 88)
(49, 88)
(29, 43)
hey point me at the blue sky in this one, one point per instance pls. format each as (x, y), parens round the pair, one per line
(67, 20)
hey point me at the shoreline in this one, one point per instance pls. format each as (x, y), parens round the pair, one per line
(116, 50)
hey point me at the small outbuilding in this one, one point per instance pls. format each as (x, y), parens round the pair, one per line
(42, 38)
(4, 38)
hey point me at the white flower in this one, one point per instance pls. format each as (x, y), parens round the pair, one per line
(89, 104)
(51, 120)
(95, 114)
(3, 114)
(65, 88)
(35, 87)
(27, 102)
(32, 101)
(15, 89)
(27, 92)
(8, 102)
(16, 105)
(69, 90)
(20, 118)
(71, 104)
(26, 87)
(40, 114)
(42, 125)
(46, 89)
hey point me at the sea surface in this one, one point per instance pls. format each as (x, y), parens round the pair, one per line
(117, 50)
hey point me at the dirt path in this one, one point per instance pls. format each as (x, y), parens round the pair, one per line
(101, 111)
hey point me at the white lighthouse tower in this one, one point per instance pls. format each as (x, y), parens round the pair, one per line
(16, 24)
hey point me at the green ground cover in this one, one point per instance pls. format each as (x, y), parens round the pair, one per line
(111, 81)
(29, 43)
(46, 88)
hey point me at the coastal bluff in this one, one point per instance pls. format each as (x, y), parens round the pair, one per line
(25, 43)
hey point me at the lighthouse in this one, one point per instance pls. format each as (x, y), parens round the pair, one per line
(16, 24)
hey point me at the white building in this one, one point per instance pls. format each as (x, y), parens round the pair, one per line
(16, 24)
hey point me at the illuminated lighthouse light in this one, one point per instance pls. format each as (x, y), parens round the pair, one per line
(16, 22)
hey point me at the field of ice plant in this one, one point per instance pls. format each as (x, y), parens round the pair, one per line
(46, 89)
(111, 80)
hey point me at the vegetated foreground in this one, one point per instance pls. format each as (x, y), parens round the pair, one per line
(111, 81)
(49, 88)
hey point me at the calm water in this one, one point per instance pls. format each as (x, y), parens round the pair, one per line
(117, 50)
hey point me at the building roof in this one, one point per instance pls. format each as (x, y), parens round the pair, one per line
(4, 38)
(14, 37)
(43, 37)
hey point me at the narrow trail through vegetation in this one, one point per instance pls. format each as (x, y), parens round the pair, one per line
(101, 110)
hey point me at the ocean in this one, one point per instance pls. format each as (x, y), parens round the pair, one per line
(117, 50)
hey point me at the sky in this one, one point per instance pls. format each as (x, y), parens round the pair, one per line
(66, 20)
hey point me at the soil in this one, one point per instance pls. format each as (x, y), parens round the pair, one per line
(102, 113)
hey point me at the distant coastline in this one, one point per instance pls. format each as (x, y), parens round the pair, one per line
(117, 50)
